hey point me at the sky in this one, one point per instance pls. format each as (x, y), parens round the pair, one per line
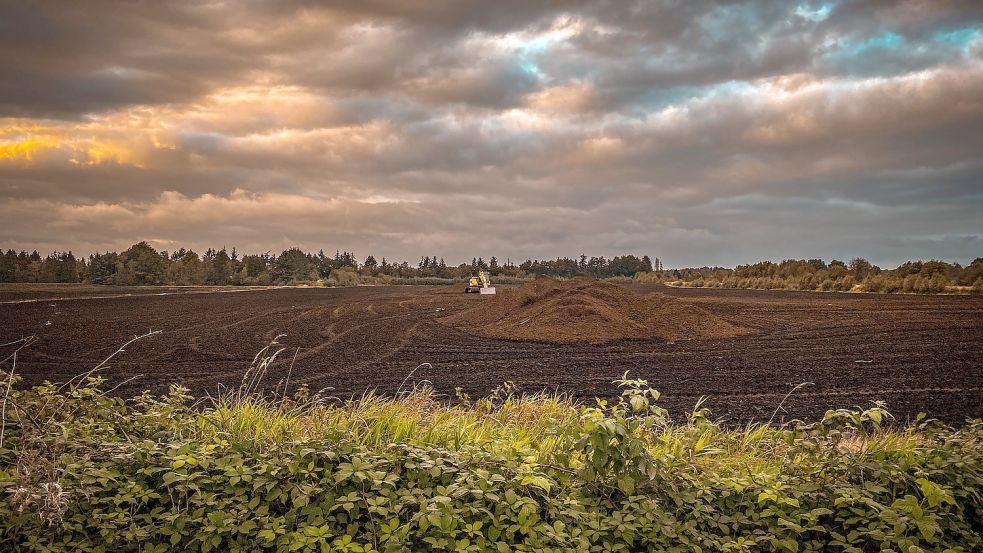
(701, 133)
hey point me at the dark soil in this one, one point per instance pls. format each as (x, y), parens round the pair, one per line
(584, 310)
(14, 293)
(918, 353)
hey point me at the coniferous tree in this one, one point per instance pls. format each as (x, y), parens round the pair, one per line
(102, 268)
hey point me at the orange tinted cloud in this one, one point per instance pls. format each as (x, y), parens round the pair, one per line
(573, 98)
(27, 148)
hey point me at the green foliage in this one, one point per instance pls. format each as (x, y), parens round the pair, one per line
(186, 269)
(342, 277)
(102, 268)
(59, 267)
(138, 265)
(292, 265)
(82, 471)
(219, 267)
(924, 277)
(141, 265)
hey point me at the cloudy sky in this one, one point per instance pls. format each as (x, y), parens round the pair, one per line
(697, 132)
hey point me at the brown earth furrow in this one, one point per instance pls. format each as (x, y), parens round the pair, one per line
(925, 353)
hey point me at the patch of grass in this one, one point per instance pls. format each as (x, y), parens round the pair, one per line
(81, 470)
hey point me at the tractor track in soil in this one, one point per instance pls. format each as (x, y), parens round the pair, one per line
(918, 353)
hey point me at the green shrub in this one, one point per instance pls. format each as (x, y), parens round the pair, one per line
(932, 277)
(345, 276)
(648, 277)
(81, 471)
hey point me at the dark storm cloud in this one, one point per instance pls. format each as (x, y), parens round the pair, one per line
(701, 132)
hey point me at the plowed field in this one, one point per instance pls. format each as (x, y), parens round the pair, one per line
(918, 353)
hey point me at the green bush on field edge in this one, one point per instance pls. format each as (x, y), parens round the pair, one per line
(928, 277)
(84, 471)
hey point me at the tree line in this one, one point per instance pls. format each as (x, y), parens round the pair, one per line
(858, 275)
(142, 264)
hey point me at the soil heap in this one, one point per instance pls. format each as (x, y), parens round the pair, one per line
(584, 310)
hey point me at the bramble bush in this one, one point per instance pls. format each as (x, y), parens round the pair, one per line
(81, 470)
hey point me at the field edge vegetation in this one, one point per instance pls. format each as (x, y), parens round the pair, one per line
(142, 265)
(81, 470)
(859, 275)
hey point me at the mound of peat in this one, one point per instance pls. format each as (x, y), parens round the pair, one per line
(584, 310)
